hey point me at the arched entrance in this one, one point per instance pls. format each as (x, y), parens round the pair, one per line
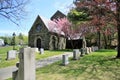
(38, 43)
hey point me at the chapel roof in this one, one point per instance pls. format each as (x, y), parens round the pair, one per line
(51, 25)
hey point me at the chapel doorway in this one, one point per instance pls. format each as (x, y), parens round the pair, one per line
(38, 43)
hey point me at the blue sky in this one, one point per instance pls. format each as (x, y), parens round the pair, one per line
(45, 8)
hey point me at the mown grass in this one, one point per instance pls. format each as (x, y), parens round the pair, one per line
(6, 63)
(48, 53)
(3, 56)
(100, 65)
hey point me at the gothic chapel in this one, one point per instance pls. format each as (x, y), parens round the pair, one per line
(44, 34)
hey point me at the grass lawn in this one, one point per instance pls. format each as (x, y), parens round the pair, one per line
(3, 56)
(6, 63)
(99, 65)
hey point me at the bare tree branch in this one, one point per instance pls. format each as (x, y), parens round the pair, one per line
(13, 10)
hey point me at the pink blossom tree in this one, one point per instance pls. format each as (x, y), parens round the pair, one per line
(70, 30)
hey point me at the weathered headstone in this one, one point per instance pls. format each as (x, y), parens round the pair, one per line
(90, 50)
(93, 48)
(65, 60)
(82, 52)
(86, 50)
(26, 66)
(76, 54)
(41, 51)
(11, 54)
(96, 48)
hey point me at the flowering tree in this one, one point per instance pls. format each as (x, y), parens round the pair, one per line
(103, 13)
(64, 26)
(71, 31)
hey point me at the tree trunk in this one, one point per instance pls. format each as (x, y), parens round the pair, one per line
(110, 40)
(105, 40)
(118, 26)
(99, 40)
(84, 42)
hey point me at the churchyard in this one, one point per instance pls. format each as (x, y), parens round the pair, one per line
(85, 64)
(5, 63)
(79, 45)
(99, 65)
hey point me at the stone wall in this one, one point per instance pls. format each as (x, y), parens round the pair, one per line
(44, 40)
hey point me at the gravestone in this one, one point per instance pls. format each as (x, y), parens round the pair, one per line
(82, 52)
(76, 54)
(26, 66)
(65, 60)
(87, 50)
(11, 54)
(41, 51)
(90, 49)
(96, 48)
(93, 48)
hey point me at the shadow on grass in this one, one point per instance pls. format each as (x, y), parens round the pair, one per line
(89, 67)
(107, 67)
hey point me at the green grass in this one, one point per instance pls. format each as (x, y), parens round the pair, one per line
(48, 53)
(100, 65)
(6, 63)
(3, 56)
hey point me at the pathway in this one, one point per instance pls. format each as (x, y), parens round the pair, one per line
(6, 73)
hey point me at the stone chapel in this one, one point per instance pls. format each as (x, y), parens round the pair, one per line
(44, 34)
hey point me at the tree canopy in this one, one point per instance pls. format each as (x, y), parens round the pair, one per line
(104, 13)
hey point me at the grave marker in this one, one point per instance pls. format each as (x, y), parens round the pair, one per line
(76, 54)
(65, 60)
(11, 54)
(82, 52)
(41, 51)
